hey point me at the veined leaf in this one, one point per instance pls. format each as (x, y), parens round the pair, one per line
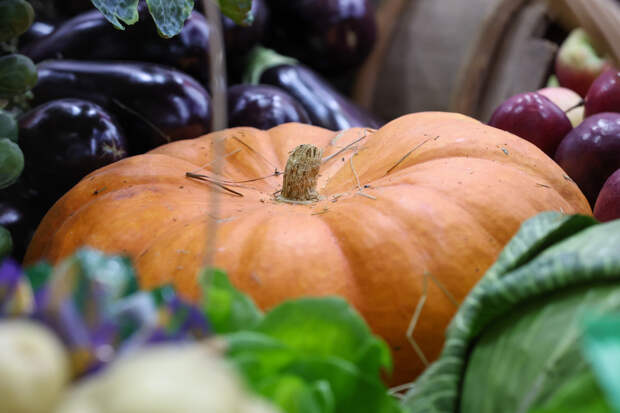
(227, 308)
(170, 15)
(581, 394)
(115, 10)
(553, 259)
(239, 11)
(327, 327)
(601, 346)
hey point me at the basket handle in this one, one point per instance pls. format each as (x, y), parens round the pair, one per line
(600, 18)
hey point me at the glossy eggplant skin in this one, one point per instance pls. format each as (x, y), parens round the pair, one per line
(21, 210)
(73, 7)
(154, 104)
(239, 40)
(332, 36)
(262, 107)
(326, 106)
(89, 36)
(64, 140)
(35, 32)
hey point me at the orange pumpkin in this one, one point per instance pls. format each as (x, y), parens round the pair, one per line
(409, 216)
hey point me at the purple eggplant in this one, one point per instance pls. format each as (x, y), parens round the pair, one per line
(73, 7)
(262, 107)
(332, 36)
(154, 104)
(89, 36)
(36, 31)
(239, 40)
(21, 210)
(326, 106)
(64, 140)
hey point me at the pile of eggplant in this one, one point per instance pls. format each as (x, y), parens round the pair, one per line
(104, 94)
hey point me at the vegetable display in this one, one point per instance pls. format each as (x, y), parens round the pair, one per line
(154, 104)
(415, 209)
(515, 343)
(90, 36)
(262, 107)
(326, 106)
(331, 35)
(98, 344)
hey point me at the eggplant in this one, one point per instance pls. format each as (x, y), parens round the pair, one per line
(38, 30)
(332, 36)
(64, 140)
(325, 105)
(89, 36)
(262, 107)
(73, 7)
(21, 210)
(239, 40)
(154, 104)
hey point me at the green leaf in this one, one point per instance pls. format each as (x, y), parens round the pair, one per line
(239, 11)
(354, 391)
(115, 10)
(257, 355)
(601, 346)
(170, 15)
(327, 327)
(581, 394)
(294, 395)
(227, 308)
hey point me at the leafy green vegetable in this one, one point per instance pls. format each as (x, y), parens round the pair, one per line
(16, 16)
(18, 74)
(515, 339)
(601, 346)
(228, 309)
(8, 126)
(11, 162)
(169, 15)
(581, 394)
(309, 355)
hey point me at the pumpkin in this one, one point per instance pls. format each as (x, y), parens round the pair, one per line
(403, 222)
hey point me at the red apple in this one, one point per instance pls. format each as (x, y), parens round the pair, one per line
(569, 101)
(590, 153)
(604, 94)
(607, 205)
(577, 63)
(533, 117)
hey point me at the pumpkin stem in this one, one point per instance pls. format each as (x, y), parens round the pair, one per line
(300, 174)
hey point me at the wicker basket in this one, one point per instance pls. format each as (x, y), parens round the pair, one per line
(469, 56)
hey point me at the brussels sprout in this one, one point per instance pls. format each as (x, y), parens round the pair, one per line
(18, 74)
(11, 162)
(16, 16)
(8, 126)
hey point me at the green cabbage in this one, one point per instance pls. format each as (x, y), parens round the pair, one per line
(515, 345)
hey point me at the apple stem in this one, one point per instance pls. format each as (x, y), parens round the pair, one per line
(578, 105)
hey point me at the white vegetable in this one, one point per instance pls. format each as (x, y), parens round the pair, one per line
(34, 367)
(168, 378)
